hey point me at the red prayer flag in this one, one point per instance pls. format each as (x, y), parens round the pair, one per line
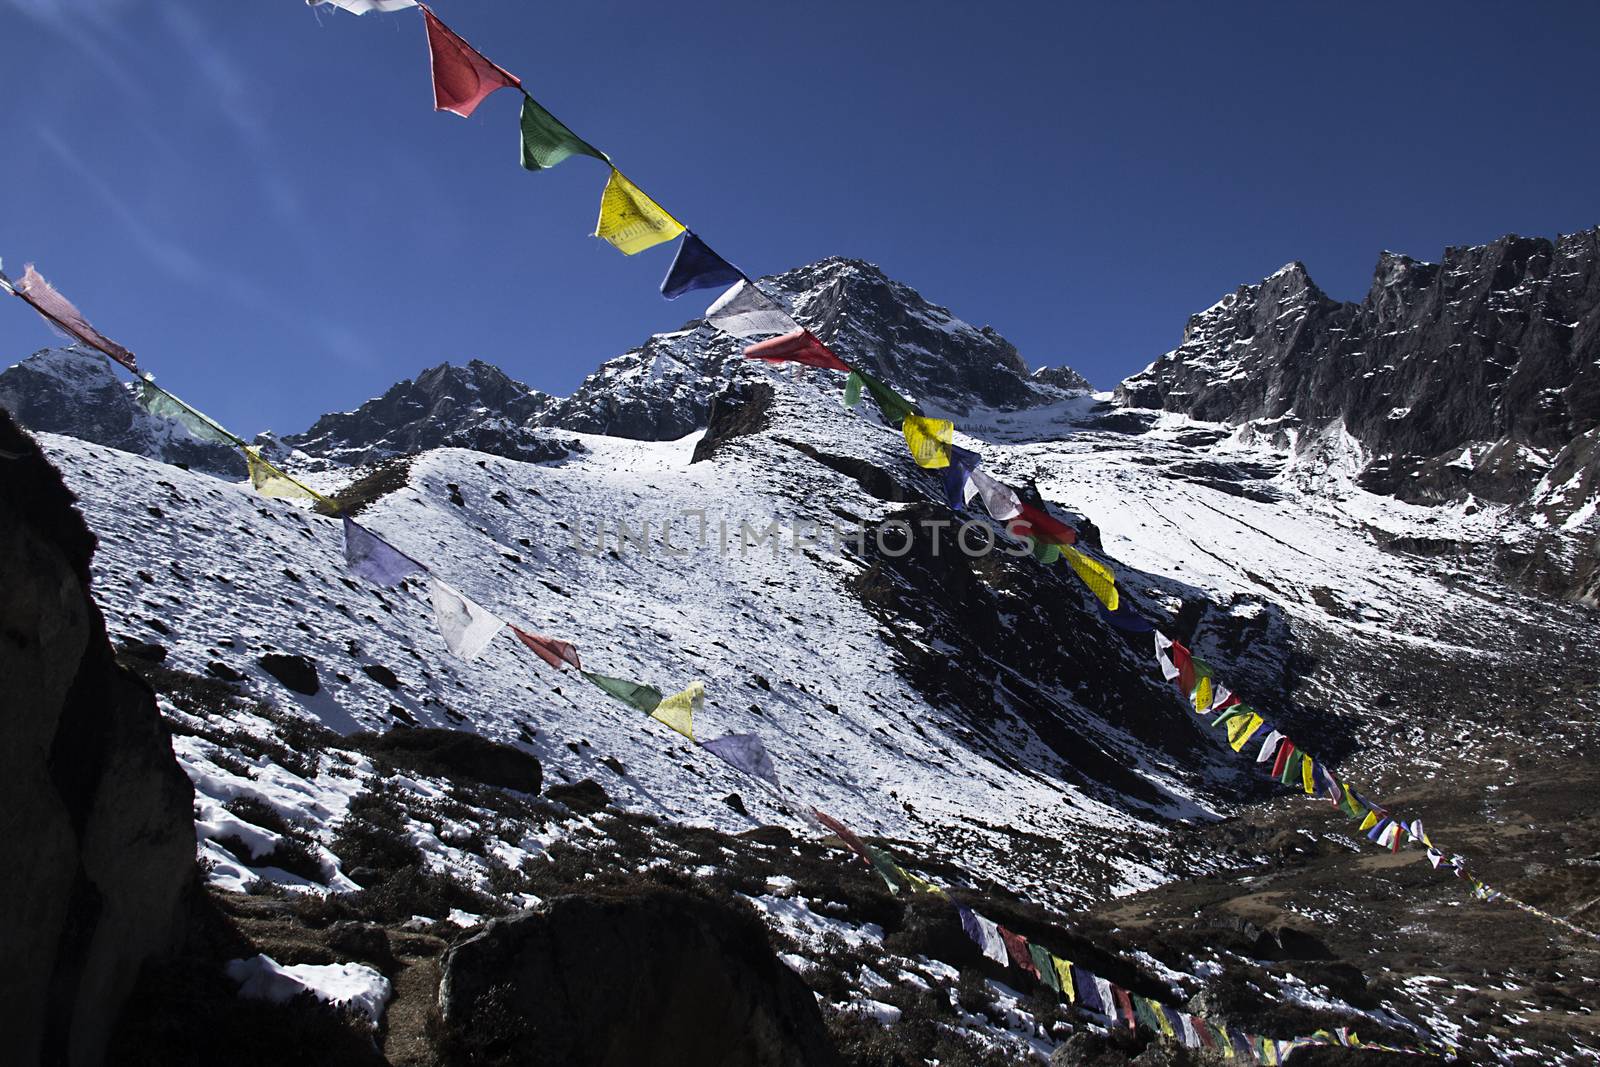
(58, 310)
(1125, 1006)
(1017, 948)
(853, 842)
(1038, 524)
(549, 649)
(1182, 660)
(462, 77)
(1284, 752)
(797, 347)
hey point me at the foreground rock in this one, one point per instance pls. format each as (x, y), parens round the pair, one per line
(658, 978)
(93, 806)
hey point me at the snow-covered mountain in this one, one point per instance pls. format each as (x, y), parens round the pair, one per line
(1476, 379)
(696, 515)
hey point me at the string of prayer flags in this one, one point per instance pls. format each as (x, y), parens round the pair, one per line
(462, 77)
(1096, 576)
(375, 559)
(271, 481)
(696, 266)
(678, 710)
(361, 7)
(467, 628)
(552, 651)
(644, 697)
(798, 346)
(745, 311)
(546, 140)
(630, 220)
(744, 752)
(929, 440)
(60, 313)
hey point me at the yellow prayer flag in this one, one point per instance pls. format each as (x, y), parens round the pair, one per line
(922, 885)
(1306, 778)
(1094, 574)
(1369, 822)
(1202, 696)
(1161, 1017)
(1064, 972)
(1240, 730)
(630, 220)
(929, 440)
(678, 710)
(270, 481)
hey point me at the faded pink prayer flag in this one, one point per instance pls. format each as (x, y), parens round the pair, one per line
(60, 312)
(462, 77)
(549, 649)
(797, 347)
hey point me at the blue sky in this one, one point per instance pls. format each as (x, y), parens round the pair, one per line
(257, 198)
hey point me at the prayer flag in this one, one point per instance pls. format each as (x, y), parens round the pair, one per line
(890, 871)
(993, 945)
(696, 266)
(1088, 987)
(361, 7)
(467, 628)
(1063, 969)
(546, 140)
(1171, 1025)
(1379, 829)
(375, 559)
(1103, 988)
(929, 440)
(745, 311)
(1282, 761)
(852, 389)
(549, 649)
(1202, 695)
(59, 312)
(1169, 667)
(1124, 1006)
(1046, 553)
(891, 404)
(1291, 766)
(798, 346)
(744, 752)
(270, 481)
(1242, 728)
(1095, 575)
(643, 697)
(1191, 1037)
(1368, 822)
(1184, 662)
(1042, 526)
(851, 841)
(958, 487)
(1308, 780)
(1269, 747)
(678, 710)
(630, 220)
(1125, 618)
(1044, 964)
(462, 77)
(1349, 804)
(1001, 502)
(157, 401)
(1017, 948)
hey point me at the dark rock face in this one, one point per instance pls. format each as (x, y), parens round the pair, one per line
(66, 391)
(457, 754)
(660, 978)
(738, 411)
(93, 805)
(476, 406)
(1478, 375)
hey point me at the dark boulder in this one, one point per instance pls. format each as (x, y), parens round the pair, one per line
(93, 806)
(738, 411)
(585, 797)
(456, 754)
(661, 978)
(295, 672)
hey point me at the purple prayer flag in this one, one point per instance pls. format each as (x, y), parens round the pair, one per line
(375, 559)
(744, 752)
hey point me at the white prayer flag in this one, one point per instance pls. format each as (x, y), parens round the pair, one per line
(467, 628)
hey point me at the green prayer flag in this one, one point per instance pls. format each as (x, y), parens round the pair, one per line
(895, 407)
(157, 401)
(1046, 552)
(1045, 964)
(1291, 767)
(643, 697)
(852, 389)
(546, 140)
(887, 869)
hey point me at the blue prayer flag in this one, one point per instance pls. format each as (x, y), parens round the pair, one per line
(696, 266)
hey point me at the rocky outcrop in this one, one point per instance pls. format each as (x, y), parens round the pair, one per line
(475, 406)
(93, 807)
(1477, 377)
(657, 978)
(73, 392)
